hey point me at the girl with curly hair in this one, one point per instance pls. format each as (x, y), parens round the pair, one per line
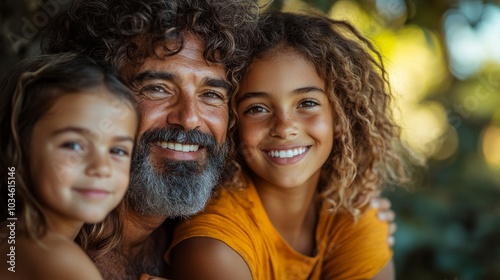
(69, 128)
(317, 141)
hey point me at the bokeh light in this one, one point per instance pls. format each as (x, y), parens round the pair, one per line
(408, 52)
(472, 35)
(491, 146)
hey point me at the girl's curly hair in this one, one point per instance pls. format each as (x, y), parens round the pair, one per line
(367, 152)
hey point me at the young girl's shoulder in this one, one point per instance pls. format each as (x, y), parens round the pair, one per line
(52, 257)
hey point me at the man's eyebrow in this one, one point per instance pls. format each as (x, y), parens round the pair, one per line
(152, 75)
(257, 94)
(215, 82)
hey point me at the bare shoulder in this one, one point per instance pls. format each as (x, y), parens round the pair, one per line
(387, 272)
(57, 258)
(207, 258)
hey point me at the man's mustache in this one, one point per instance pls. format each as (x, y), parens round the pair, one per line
(177, 135)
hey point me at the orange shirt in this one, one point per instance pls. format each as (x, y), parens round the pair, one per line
(344, 250)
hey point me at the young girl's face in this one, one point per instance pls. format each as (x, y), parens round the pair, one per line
(80, 154)
(285, 120)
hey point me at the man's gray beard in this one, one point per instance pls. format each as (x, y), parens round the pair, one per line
(180, 188)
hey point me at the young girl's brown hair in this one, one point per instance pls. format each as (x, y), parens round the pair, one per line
(28, 91)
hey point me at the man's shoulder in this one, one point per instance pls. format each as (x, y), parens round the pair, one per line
(118, 264)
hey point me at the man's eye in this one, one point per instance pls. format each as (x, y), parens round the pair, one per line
(213, 97)
(154, 91)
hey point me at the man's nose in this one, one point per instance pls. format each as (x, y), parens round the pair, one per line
(185, 113)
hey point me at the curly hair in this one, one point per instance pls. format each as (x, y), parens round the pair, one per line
(28, 91)
(124, 32)
(366, 153)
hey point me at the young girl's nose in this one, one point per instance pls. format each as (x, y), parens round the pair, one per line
(283, 126)
(99, 164)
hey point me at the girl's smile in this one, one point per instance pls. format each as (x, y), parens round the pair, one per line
(285, 119)
(80, 160)
(283, 155)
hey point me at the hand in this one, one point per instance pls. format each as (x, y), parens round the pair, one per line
(145, 276)
(385, 214)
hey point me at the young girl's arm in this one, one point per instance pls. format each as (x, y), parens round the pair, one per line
(387, 273)
(207, 258)
(57, 260)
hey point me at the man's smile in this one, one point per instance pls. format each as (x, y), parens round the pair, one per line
(178, 146)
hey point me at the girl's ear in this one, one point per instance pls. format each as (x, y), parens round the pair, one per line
(337, 129)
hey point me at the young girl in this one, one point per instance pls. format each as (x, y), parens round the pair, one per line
(68, 129)
(317, 142)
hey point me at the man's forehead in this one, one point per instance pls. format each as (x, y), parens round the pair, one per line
(190, 56)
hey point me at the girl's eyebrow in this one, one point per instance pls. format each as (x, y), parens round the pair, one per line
(308, 89)
(87, 133)
(249, 95)
(75, 129)
(303, 90)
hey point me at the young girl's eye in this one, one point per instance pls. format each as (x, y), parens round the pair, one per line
(307, 103)
(256, 109)
(119, 151)
(75, 146)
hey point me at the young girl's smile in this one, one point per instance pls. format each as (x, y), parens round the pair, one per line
(285, 119)
(80, 155)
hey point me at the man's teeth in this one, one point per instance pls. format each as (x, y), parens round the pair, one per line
(178, 146)
(287, 153)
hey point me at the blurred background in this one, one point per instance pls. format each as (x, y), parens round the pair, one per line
(443, 59)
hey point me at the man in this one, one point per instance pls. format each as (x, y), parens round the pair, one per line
(183, 59)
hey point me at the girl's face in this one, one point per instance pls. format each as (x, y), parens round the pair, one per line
(285, 120)
(80, 154)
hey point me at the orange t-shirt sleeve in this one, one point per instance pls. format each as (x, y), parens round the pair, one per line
(360, 251)
(223, 220)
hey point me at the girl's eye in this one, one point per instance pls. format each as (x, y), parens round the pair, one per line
(119, 151)
(74, 146)
(256, 109)
(308, 103)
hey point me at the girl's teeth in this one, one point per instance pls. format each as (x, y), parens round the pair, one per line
(287, 153)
